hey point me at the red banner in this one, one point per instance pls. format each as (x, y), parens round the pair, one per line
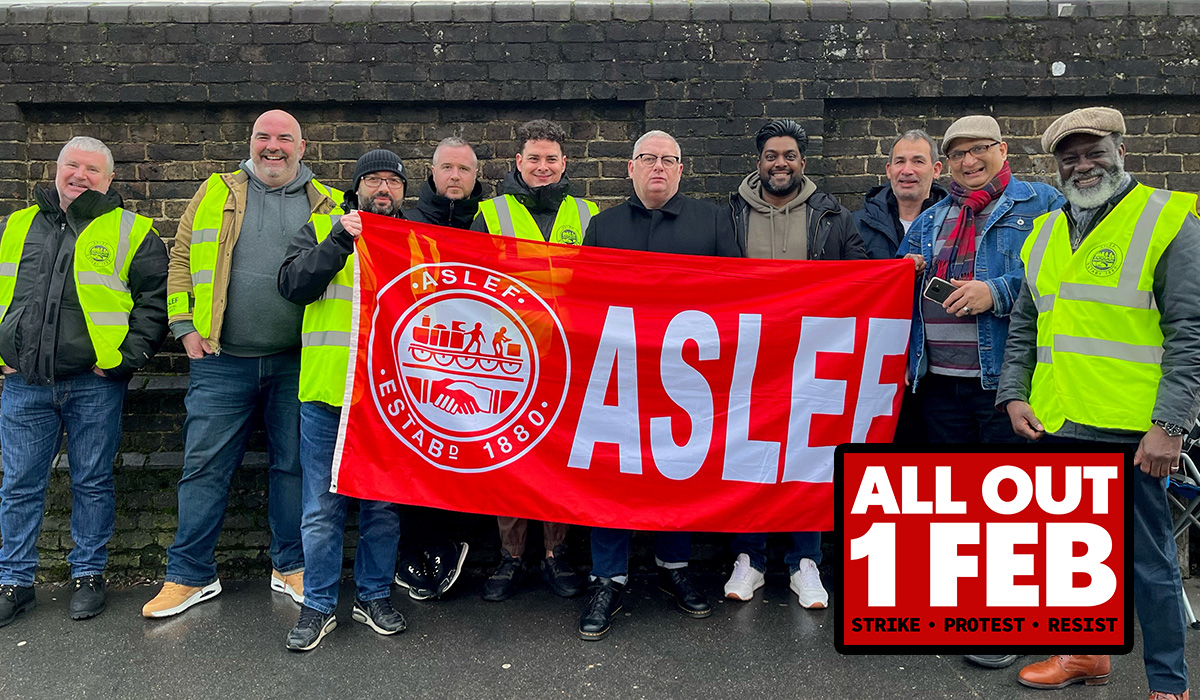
(614, 388)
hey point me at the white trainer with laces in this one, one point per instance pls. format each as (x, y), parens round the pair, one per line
(806, 583)
(744, 581)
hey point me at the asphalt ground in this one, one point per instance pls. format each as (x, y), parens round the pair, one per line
(463, 647)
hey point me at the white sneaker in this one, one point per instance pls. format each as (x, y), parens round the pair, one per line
(806, 583)
(745, 579)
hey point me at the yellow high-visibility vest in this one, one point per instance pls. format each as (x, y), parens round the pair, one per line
(325, 332)
(103, 253)
(1099, 344)
(505, 216)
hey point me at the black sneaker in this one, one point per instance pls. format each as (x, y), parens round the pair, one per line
(503, 583)
(379, 615)
(310, 629)
(605, 601)
(444, 564)
(88, 599)
(411, 574)
(559, 575)
(678, 584)
(15, 600)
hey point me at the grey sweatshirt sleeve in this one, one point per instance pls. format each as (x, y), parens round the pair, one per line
(1020, 351)
(1177, 292)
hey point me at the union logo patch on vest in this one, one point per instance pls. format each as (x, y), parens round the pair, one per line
(570, 236)
(1104, 259)
(100, 254)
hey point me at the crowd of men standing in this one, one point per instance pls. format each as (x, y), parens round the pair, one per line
(259, 284)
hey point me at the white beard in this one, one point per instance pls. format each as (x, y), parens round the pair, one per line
(1092, 197)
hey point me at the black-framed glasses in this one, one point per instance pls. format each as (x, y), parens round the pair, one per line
(376, 181)
(976, 151)
(649, 160)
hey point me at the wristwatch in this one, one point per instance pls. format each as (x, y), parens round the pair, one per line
(1171, 429)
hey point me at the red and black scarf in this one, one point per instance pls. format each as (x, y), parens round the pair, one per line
(956, 259)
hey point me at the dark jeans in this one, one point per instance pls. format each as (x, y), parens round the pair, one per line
(610, 550)
(1157, 585)
(32, 419)
(223, 393)
(959, 410)
(805, 545)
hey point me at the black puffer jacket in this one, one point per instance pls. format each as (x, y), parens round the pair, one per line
(879, 220)
(45, 346)
(831, 231)
(433, 208)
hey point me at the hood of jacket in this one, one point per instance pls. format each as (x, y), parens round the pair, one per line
(455, 212)
(546, 198)
(779, 218)
(258, 188)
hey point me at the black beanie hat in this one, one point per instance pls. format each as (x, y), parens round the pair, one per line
(379, 160)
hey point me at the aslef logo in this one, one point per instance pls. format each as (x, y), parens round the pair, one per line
(468, 366)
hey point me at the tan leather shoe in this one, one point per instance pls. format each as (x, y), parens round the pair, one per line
(1065, 669)
(291, 585)
(1160, 695)
(174, 598)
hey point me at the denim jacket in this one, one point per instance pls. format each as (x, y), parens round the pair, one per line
(997, 263)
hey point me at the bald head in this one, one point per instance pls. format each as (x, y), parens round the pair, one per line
(276, 147)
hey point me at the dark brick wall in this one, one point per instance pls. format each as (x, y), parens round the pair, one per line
(173, 90)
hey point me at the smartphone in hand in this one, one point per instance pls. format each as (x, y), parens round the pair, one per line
(938, 290)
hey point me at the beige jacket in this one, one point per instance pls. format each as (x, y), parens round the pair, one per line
(179, 271)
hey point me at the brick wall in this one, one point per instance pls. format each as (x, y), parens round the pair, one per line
(173, 90)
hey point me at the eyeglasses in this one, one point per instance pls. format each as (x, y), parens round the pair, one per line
(376, 181)
(976, 151)
(649, 160)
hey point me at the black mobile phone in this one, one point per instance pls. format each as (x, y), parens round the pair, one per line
(938, 290)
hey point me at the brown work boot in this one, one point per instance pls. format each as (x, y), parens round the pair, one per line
(1065, 669)
(291, 585)
(174, 598)
(1160, 695)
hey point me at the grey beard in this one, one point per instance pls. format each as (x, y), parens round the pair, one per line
(1110, 182)
(386, 210)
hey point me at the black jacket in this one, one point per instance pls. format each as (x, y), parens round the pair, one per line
(309, 267)
(542, 202)
(433, 208)
(44, 332)
(831, 231)
(683, 225)
(879, 220)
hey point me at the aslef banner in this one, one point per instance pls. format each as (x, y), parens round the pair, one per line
(613, 388)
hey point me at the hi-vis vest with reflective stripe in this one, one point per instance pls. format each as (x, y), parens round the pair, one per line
(206, 232)
(1099, 344)
(325, 333)
(103, 254)
(508, 217)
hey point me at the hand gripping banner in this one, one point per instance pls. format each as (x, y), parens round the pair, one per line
(613, 388)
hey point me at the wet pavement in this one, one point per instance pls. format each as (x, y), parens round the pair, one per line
(462, 647)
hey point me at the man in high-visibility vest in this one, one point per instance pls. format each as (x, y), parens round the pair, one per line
(243, 342)
(534, 203)
(1104, 346)
(83, 305)
(318, 274)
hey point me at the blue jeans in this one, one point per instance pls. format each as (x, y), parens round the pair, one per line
(223, 393)
(32, 419)
(610, 550)
(324, 524)
(805, 545)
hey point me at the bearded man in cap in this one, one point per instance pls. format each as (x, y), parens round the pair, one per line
(1104, 346)
(970, 239)
(318, 273)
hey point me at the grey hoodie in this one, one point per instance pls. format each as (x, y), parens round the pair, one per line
(258, 321)
(776, 233)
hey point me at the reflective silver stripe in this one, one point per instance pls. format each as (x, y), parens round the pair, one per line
(1115, 296)
(108, 281)
(1045, 355)
(1040, 243)
(585, 215)
(128, 219)
(109, 318)
(1139, 246)
(340, 338)
(8, 269)
(1095, 347)
(1044, 303)
(205, 235)
(504, 215)
(202, 277)
(338, 291)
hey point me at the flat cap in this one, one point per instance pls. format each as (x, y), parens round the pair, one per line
(1098, 121)
(974, 126)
